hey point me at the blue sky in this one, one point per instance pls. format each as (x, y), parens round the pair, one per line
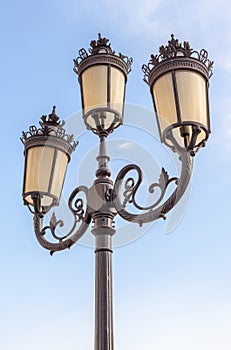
(170, 290)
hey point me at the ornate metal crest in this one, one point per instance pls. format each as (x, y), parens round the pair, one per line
(50, 126)
(101, 47)
(174, 50)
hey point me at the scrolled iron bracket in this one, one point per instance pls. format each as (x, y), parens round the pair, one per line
(159, 209)
(76, 206)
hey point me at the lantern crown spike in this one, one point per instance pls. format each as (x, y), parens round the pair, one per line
(52, 119)
(100, 44)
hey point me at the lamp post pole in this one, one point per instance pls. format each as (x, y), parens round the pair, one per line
(103, 230)
(178, 78)
(103, 293)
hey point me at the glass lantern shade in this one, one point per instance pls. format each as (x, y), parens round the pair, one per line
(45, 169)
(103, 91)
(180, 99)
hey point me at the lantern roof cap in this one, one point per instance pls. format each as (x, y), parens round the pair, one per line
(100, 49)
(50, 126)
(175, 50)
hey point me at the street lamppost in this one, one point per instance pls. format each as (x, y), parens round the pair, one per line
(178, 77)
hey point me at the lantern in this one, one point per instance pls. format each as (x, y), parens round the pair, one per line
(47, 152)
(179, 78)
(102, 78)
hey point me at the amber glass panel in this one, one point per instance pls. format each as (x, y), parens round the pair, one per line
(45, 172)
(38, 170)
(95, 91)
(117, 90)
(94, 87)
(202, 136)
(59, 173)
(163, 94)
(192, 92)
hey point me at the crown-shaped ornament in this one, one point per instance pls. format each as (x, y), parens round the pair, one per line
(177, 50)
(98, 49)
(50, 125)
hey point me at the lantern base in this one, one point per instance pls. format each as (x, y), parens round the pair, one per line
(41, 202)
(102, 121)
(189, 136)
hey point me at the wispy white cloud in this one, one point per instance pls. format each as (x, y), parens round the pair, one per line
(126, 145)
(148, 20)
(136, 15)
(120, 17)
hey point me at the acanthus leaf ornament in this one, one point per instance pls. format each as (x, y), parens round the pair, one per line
(164, 181)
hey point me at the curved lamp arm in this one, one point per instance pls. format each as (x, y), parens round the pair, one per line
(154, 211)
(76, 207)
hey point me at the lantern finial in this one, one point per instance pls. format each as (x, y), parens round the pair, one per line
(101, 43)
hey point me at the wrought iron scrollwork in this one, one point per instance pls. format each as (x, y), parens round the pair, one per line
(76, 206)
(131, 188)
(152, 212)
